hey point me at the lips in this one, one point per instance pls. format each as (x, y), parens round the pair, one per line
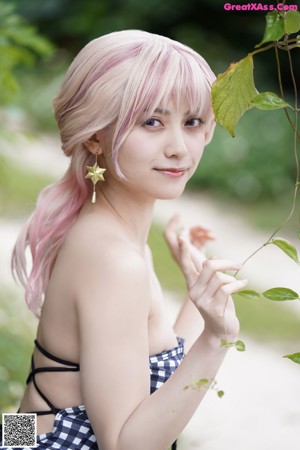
(172, 171)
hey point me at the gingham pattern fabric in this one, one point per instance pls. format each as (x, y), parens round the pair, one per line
(163, 364)
(72, 429)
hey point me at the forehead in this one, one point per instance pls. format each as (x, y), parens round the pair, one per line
(173, 102)
(182, 106)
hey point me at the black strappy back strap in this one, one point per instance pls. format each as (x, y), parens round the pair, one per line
(54, 358)
(73, 367)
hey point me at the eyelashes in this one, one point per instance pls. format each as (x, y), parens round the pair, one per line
(154, 122)
(195, 122)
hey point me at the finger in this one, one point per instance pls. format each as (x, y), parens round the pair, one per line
(206, 291)
(197, 255)
(173, 222)
(213, 265)
(185, 233)
(201, 230)
(220, 298)
(218, 280)
(227, 290)
(170, 232)
(187, 265)
(202, 234)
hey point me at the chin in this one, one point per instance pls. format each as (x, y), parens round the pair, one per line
(170, 194)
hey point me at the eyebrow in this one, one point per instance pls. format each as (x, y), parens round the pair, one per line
(166, 112)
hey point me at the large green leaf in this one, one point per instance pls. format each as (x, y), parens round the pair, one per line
(295, 357)
(286, 247)
(274, 29)
(268, 101)
(292, 22)
(280, 294)
(232, 93)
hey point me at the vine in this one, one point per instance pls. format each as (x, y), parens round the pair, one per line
(233, 93)
(206, 384)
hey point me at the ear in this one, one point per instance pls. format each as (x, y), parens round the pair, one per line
(93, 144)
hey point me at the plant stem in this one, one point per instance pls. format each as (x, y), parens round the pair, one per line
(296, 136)
(282, 94)
(263, 49)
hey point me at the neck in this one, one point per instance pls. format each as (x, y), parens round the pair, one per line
(132, 212)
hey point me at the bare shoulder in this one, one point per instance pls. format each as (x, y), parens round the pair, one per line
(102, 263)
(92, 240)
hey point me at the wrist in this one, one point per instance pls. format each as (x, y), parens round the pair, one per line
(215, 341)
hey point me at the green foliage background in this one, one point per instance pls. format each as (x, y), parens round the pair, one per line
(221, 36)
(255, 168)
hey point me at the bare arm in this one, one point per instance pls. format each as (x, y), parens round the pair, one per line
(189, 323)
(113, 307)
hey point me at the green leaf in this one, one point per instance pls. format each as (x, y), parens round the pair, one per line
(268, 101)
(274, 29)
(20, 44)
(220, 393)
(295, 357)
(292, 22)
(232, 93)
(280, 294)
(239, 345)
(286, 247)
(249, 294)
(202, 382)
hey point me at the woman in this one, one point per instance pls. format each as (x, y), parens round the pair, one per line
(134, 114)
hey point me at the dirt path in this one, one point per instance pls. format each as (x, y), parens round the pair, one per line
(260, 409)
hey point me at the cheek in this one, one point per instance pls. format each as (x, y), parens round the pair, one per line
(198, 150)
(133, 151)
(197, 154)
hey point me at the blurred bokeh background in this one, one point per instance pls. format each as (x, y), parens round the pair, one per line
(244, 185)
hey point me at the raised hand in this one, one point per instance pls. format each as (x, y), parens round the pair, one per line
(196, 238)
(210, 290)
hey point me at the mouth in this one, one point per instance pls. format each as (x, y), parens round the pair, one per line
(172, 172)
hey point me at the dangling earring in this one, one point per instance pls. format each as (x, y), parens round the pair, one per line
(95, 173)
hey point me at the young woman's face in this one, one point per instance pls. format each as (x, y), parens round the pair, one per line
(161, 154)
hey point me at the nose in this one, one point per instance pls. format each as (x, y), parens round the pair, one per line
(176, 145)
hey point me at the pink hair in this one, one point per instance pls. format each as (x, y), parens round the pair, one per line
(118, 79)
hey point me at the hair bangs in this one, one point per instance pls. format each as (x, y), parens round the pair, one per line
(184, 81)
(164, 72)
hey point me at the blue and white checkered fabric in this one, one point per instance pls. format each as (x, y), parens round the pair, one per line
(164, 364)
(72, 429)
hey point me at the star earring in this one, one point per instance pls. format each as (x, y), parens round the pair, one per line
(95, 174)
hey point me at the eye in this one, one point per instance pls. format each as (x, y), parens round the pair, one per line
(152, 122)
(194, 122)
